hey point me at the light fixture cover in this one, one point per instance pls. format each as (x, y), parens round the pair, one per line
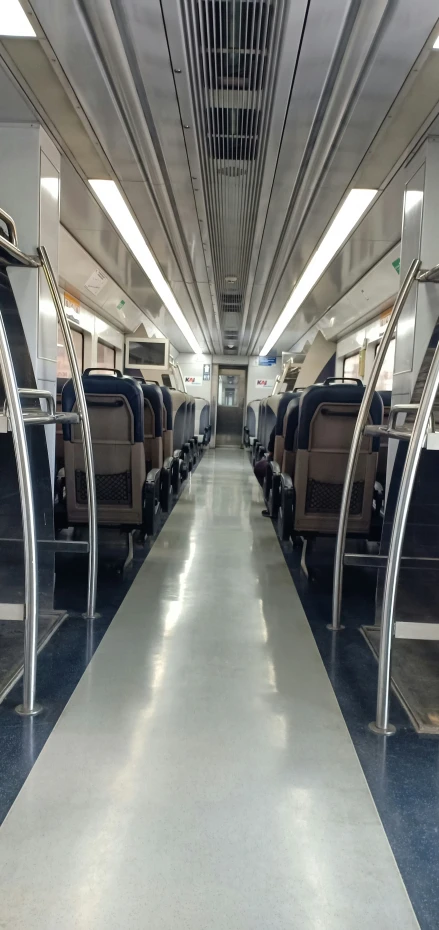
(347, 217)
(13, 20)
(111, 199)
(436, 44)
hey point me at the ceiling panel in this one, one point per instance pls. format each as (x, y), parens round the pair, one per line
(90, 49)
(362, 251)
(13, 106)
(395, 35)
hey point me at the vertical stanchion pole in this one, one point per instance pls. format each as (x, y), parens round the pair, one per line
(29, 707)
(354, 452)
(86, 436)
(420, 427)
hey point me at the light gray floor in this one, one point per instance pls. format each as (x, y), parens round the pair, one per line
(202, 777)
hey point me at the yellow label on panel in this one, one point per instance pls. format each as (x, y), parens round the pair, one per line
(72, 307)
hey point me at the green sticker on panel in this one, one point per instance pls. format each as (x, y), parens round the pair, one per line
(120, 305)
(397, 265)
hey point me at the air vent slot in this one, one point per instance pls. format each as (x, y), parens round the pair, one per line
(232, 171)
(234, 133)
(231, 302)
(239, 33)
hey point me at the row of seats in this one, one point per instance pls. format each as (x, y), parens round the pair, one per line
(146, 438)
(313, 432)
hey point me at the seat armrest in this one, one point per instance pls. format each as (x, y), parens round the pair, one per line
(287, 481)
(153, 476)
(275, 468)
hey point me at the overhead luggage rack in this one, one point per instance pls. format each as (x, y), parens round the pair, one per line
(16, 418)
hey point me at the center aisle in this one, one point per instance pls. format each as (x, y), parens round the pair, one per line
(201, 775)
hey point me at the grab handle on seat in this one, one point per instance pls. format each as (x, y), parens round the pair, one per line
(333, 380)
(115, 371)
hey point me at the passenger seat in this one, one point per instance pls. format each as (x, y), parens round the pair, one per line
(116, 413)
(153, 445)
(327, 417)
(272, 481)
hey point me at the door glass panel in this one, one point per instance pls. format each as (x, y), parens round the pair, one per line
(351, 366)
(62, 362)
(385, 380)
(106, 355)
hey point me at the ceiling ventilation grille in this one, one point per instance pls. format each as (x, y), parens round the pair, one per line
(232, 50)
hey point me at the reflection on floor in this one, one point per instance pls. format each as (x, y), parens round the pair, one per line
(60, 665)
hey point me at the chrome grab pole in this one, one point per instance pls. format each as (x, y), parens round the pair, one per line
(420, 428)
(354, 452)
(86, 436)
(29, 707)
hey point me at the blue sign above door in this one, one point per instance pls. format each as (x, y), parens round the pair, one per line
(267, 359)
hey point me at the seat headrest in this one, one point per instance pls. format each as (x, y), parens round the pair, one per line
(153, 395)
(281, 411)
(107, 385)
(292, 414)
(345, 393)
(167, 401)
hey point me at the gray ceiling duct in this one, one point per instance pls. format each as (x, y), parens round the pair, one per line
(232, 48)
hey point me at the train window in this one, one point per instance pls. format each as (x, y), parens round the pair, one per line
(351, 366)
(62, 362)
(106, 355)
(385, 380)
(166, 381)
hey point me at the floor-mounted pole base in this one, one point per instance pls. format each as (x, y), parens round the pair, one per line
(334, 629)
(389, 731)
(87, 616)
(25, 712)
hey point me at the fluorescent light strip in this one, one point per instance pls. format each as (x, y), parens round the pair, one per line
(114, 204)
(436, 44)
(13, 20)
(345, 220)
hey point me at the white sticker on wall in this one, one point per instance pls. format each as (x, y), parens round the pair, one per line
(96, 281)
(265, 382)
(192, 379)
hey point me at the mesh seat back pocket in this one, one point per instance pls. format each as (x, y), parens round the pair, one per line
(110, 489)
(324, 497)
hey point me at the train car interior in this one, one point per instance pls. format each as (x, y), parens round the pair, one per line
(219, 443)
